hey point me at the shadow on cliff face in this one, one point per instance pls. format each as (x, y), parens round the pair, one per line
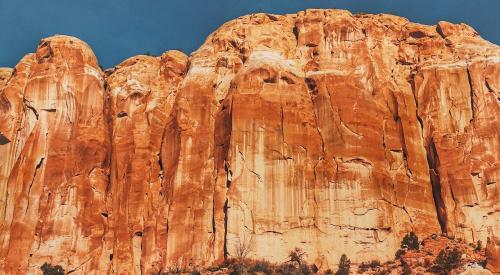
(433, 162)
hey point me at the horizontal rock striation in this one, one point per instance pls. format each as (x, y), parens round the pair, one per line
(332, 132)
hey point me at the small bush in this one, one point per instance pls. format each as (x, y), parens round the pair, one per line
(305, 269)
(374, 264)
(49, 269)
(344, 265)
(446, 261)
(261, 266)
(174, 270)
(329, 272)
(243, 248)
(363, 267)
(406, 268)
(286, 269)
(410, 242)
(400, 253)
(297, 256)
(479, 246)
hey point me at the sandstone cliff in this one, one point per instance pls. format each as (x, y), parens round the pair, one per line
(332, 132)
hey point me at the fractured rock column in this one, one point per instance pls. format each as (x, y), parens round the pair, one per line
(142, 91)
(273, 149)
(187, 158)
(458, 106)
(366, 115)
(57, 184)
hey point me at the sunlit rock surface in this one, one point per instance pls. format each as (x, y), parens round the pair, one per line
(332, 132)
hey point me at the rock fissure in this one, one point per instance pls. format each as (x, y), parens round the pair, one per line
(433, 163)
(37, 167)
(471, 94)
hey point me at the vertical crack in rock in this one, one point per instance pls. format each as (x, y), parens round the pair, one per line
(295, 31)
(414, 92)
(229, 174)
(225, 228)
(403, 143)
(471, 93)
(313, 92)
(223, 175)
(433, 162)
(109, 128)
(32, 181)
(160, 164)
(30, 107)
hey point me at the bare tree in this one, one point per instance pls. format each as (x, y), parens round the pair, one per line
(297, 256)
(243, 248)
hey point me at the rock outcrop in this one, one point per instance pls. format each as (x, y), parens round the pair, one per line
(332, 132)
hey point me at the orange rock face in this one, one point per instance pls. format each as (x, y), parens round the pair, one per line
(332, 132)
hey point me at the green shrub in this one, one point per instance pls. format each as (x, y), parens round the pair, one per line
(446, 261)
(410, 242)
(344, 265)
(49, 269)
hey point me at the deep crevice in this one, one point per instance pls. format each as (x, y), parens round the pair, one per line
(229, 175)
(312, 87)
(225, 229)
(31, 108)
(296, 34)
(39, 164)
(433, 162)
(471, 93)
(160, 164)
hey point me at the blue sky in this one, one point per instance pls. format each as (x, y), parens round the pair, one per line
(118, 29)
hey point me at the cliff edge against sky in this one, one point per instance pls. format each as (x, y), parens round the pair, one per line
(332, 132)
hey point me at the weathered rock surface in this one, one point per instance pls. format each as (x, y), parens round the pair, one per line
(332, 132)
(142, 91)
(5, 74)
(55, 160)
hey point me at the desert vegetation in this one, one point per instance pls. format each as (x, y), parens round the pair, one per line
(432, 255)
(49, 269)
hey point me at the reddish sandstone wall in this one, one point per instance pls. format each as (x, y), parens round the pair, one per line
(332, 132)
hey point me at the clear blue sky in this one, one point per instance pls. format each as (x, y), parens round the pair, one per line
(118, 29)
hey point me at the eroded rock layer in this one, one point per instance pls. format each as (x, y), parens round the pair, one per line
(332, 132)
